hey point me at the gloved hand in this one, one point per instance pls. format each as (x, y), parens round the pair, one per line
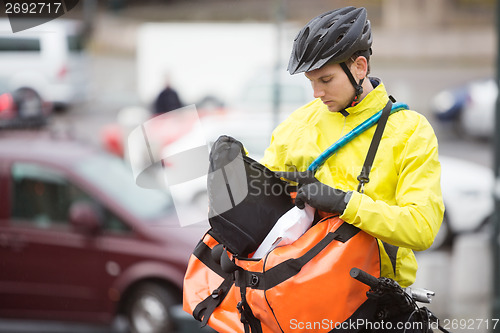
(317, 194)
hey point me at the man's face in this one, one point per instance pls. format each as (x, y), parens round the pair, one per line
(332, 86)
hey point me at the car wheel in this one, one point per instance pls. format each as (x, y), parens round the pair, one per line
(444, 236)
(148, 309)
(29, 103)
(459, 128)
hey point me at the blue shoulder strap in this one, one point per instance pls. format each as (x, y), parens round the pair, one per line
(318, 162)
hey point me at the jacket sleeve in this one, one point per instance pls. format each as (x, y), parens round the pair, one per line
(414, 220)
(274, 156)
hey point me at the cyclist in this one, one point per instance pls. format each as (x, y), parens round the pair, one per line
(402, 204)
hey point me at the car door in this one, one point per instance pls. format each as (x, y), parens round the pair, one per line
(48, 269)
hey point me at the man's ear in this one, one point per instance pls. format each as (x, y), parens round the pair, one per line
(360, 67)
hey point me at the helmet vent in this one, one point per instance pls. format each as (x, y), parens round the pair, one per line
(332, 23)
(320, 39)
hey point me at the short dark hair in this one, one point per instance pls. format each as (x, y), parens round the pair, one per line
(357, 54)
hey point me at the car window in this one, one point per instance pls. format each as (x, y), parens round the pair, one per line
(42, 197)
(19, 44)
(113, 177)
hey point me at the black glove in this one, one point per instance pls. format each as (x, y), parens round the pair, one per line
(317, 194)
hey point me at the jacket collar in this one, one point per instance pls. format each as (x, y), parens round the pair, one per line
(373, 102)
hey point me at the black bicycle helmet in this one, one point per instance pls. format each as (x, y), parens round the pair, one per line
(333, 36)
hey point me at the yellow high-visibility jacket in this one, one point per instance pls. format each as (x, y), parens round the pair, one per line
(402, 204)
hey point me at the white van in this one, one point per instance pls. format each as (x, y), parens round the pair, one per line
(49, 59)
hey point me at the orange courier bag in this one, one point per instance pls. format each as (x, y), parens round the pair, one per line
(301, 287)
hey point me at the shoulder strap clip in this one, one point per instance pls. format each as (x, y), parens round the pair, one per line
(363, 177)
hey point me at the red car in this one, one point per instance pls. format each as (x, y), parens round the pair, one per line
(79, 241)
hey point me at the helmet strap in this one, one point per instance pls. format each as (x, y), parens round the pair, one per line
(358, 87)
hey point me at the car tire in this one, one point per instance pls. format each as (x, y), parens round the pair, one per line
(148, 309)
(444, 237)
(460, 128)
(29, 103)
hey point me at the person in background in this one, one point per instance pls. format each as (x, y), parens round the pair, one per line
(167, 100)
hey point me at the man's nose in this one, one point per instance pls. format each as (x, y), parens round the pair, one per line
(318, 92)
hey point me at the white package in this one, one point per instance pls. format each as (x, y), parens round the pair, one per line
(287, 230)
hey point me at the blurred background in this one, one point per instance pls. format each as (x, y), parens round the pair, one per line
(120, 62)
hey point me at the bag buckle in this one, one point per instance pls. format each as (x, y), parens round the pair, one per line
(254, 280)
(217, 293)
